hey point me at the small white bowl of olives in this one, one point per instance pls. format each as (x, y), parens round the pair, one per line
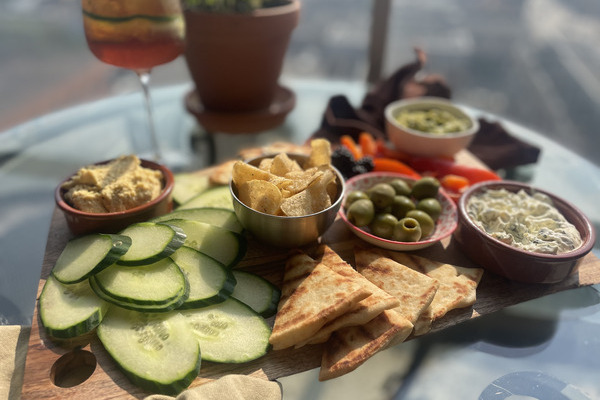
(397, 212)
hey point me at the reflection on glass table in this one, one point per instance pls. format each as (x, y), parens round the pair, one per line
(556, 335)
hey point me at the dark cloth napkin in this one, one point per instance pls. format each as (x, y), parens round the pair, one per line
(492, 144)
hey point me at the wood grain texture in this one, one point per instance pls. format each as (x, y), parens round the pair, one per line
(107, 382)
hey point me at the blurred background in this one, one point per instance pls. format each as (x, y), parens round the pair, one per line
(535, 62)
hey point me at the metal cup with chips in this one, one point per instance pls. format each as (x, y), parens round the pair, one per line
(287, 200)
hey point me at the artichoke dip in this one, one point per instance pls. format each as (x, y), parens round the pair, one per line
(528, 222)
(115, 186)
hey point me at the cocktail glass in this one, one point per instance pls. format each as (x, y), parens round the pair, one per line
(136, 35)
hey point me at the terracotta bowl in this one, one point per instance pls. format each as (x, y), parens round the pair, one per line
(444, 226)
(283, 231)
(419, 143)
(80, 222)
(511, 262)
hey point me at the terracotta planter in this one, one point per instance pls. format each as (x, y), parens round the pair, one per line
(235, 60)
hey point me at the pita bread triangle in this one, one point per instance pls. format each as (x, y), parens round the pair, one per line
(350, 347)
(365, 310)
(321, 297)
(457, 288)
(297, 267)
(414, 289)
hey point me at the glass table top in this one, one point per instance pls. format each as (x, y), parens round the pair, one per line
(560, 332)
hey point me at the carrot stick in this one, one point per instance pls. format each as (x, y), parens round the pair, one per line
(367, 144)
(350, 144)
(390, 165)
(454, 183)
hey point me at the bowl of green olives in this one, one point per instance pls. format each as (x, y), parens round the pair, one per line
(429, 126)
(398, 212)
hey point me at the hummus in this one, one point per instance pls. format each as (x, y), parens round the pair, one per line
(116, 186)
(528, 222)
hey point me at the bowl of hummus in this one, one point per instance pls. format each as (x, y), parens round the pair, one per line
(110, 195)
(521, 232)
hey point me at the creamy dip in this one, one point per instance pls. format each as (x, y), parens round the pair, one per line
(528, 222)
(435, 121)
(119, 185)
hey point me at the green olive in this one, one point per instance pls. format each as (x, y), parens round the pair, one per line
(386, 210)
(361, 212)
(401, 205)
(382, 195)
(355, 195)
(431, 206)
(425, 220)
(407, 230)
(401, 187)
(383, 225)
(425, 187)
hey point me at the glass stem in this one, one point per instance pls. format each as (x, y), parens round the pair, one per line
(144, 76)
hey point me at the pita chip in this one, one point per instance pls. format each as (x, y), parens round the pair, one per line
(457, 288)
(221, 175)
(414, 289)
(321, 297)
(365, 310)
(350, 347)
(297, 267)
(273, 148)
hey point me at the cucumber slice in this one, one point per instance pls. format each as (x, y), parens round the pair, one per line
(224, 246)
(87, 255)
(148, 308)
(256, 292)
(67, 311)
(229, 332)
(158, 283)
(218, 196)
(150, 242)
(215, 216)
(210, 281)
(157, 352)
(188, 185)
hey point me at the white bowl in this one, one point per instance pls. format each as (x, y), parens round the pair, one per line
(444, 226)
(427, 144)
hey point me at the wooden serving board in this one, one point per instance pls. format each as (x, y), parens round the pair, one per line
(50, 362)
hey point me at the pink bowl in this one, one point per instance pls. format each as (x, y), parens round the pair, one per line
(80, 222)
(444, 226)
(511, 262)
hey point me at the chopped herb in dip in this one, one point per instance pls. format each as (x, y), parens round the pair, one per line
(433, 120)
(528, 222)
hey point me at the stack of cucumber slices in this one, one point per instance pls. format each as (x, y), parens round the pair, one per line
(162, 296)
